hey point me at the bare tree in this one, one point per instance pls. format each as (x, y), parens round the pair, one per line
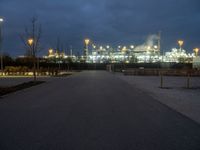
(31, 39)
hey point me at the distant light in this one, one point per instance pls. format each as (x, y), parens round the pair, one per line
(196, 50)
(180, 42)
(124, 48)
(132, 46)
(50, 51)
(87, 41)
(107, 46)
(155, 46)
(30, 41)
(94, 46)
(1, 20)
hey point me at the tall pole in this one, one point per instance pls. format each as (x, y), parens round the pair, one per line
(86, 51)
(33, 49)
(196, 50)
(180, 43)
(1, 41)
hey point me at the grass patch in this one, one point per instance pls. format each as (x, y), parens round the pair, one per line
(11, 89)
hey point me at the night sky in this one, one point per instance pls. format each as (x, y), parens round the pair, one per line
(113, 22)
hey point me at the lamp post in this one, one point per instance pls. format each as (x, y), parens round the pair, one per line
(87, 41)
(31, 44)
(180, 42)
(1, 40)
(196, 50)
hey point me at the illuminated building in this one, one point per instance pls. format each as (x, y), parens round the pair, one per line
(148, 52)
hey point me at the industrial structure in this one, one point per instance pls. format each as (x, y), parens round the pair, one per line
(149, 52)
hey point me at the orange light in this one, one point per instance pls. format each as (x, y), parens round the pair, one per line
(50, 51)
(30, 41)
(180, 42)
(87, 41)
(196, 50)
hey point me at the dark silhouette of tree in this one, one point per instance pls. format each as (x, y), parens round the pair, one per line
(31, 39)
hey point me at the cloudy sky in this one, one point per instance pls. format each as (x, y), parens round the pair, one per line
(114, 22)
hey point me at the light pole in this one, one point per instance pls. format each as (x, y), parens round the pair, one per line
(196, 50)
(180, 42)
(31, 44)
(87, 41)
(1, 40)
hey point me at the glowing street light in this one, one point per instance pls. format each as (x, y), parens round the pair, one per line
(107, 46)
(30, 41)
(196, 50)
(87, 41)
(86, 51)
(50, 51)
(180, 42)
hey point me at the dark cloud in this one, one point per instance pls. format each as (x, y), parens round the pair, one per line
(104, 21)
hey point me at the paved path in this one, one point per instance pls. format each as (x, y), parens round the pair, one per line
(92, 111)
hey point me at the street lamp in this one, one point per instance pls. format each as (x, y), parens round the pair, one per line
(1, 39)
(87, 42)
(196, 50)
(32, 48)
(30, 41)
(50, 51)
(180, 42)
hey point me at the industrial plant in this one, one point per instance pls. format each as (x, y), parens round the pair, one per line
(149, 52)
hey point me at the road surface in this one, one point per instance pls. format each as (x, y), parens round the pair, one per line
(92, 110)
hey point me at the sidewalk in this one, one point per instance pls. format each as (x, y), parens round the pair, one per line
(176, 96)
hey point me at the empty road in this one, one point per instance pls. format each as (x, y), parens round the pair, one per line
(92, 110)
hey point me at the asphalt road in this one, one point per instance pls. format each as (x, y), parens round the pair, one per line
(92, 111)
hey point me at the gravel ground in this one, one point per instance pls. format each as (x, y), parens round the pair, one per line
(176, 96)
